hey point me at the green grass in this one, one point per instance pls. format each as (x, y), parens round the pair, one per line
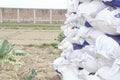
(31, 75)
(44, 45)
(61, 36)
(43, 22)
(32, 26)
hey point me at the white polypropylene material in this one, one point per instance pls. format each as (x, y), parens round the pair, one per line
(107, 47)
(65, 45)
(108, 21)
(85, 0)
(85, 75)
(104, 73)
(106, 0)
(68, 31)
(72, 18)
(69, 72)
(100, 60)
(90, 9)
(88, 63)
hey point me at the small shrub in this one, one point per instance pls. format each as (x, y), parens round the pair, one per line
(19, 52)
(30, 76)
(54, 45)
(7, 51)
(61, 36)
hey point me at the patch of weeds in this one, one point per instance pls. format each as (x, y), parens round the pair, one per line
(9, 27)
(30, 45)
(6, 52)
(30, 76)
(54, 45)
(44, 45)
(29, 25)
(19, 52)
(11, 59)
(61, 36)
(5, 49)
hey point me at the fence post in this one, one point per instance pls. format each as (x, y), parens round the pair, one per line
(18, 15)
(51, 16)
(34, 16)
(1, 15)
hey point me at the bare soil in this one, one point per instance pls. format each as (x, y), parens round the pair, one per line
(36, 58)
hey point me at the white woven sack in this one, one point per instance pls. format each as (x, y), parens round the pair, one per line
(85, 75)
(65, 45)
(90, 8)
(108, 21)
(88, 62)
(73, 5)
(85, 0)
(106, 74)
(72, 18)
(70, 7)
(107, 47)
(69, 72)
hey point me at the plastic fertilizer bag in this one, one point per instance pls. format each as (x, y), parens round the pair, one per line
(90, 8)
(85, 0)
(112, 3)
(107, 47)
(72, 7)
(72, 18)
(108, 21)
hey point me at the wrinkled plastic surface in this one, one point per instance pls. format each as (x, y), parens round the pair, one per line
(79, 46)
(112, 3)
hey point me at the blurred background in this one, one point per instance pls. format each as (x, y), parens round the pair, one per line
(34, 27)
(36, 11)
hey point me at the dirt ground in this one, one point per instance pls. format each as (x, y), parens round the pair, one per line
(26, 37)
(36, 58)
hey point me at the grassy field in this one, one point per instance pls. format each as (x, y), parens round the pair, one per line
(33, 26)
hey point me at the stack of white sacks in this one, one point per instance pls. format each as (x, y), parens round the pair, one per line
(91, 48)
